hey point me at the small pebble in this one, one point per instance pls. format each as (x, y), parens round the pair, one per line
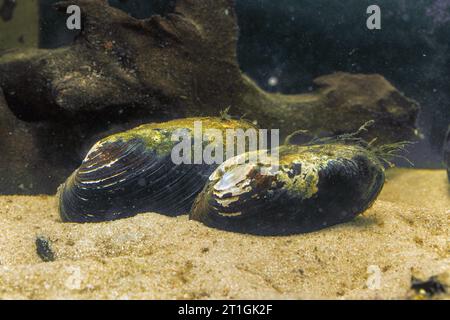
(44, 249)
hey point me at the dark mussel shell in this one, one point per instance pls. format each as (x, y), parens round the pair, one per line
(313, 187)
(132, 172)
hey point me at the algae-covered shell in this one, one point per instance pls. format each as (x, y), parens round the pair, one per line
(312, 187)
(132, 172)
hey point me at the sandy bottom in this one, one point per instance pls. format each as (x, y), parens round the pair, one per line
(151, 256)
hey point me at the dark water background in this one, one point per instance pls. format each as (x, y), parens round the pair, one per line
(295, 41)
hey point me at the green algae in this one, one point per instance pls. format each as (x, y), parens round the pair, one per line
(158, 136)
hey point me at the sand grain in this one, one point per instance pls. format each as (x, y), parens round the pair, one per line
(152, 256)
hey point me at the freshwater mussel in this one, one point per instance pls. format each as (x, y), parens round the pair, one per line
(311, 187)
(132, 172)
(287, 189)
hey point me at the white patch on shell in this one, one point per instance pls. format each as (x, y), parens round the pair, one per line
(107, 165)
(233, 178)
(101, 180)
(233, 183)
(226, 202)
(234, 214)
(93, 150)
(249, 158)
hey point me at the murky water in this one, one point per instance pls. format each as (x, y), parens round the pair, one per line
(256, 117)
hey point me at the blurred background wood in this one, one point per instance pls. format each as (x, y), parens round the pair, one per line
(19, 24)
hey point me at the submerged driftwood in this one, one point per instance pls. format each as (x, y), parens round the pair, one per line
(34, 158)
(122, 71)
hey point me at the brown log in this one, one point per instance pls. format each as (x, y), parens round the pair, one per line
(122, 71)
